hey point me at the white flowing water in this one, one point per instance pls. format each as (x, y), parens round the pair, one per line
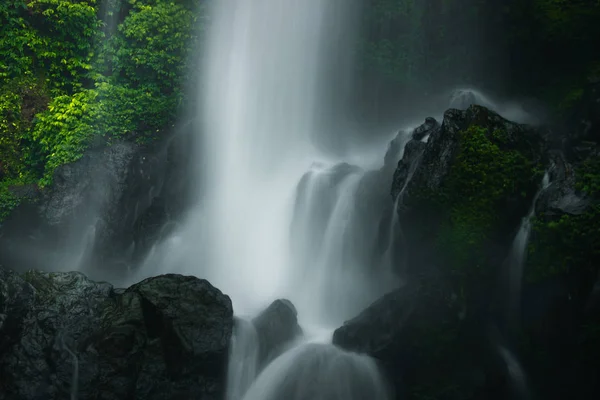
(515, 263)
(462, 98)
(316, 371)
(517, 257)
(266, 76)
(277, 217)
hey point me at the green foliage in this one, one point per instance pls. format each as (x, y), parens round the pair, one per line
(65, 128)
(64, 41)
(588, 177)
(19, 103)
(10, 108)
(570, 243)
(52, 39)
(8, 201)
(481, 179)
(152, 45)
(15, 33)
(565, 245)
(73, 73)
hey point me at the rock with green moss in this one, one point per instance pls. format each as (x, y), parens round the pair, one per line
(63, 335)
(473, 183)
(566, 234)
(560, 304)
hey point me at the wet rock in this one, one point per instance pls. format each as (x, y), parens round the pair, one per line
(407, 165)
(418, 336)
(395, 150)
(165, 337)
(443, 144)
(276, 327)
(561, 197)
(425, 129)
(464, 193)
(111, 205)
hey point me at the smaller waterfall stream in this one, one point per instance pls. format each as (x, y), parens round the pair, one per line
(243, 359)
(512, 311)
(517, 257)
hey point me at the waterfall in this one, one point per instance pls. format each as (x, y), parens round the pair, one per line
(517, 256)
(243, 359)
(334, 245)
(278, 217)
(515, 263)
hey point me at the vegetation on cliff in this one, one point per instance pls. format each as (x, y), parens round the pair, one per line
(492, 176)
(74, 73)
(568, 245)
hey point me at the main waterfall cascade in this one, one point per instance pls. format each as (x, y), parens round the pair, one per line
(278, 217)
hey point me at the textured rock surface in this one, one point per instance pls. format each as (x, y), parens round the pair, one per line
(418, 336)
(561, 197)
(164, 338)
(109, 207)
(443, 144)
(276, 327)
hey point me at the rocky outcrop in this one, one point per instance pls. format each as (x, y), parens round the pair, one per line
(425, 129)
(464, 193)
(407, 166)
(109, 207)
(562, 196)
(276, 327)
(163, 338)
(418, 335)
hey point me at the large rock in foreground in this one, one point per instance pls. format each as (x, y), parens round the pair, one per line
(424, 345)
(166, 337)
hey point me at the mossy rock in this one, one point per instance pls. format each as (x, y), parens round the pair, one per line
(475, 181)
(566, 241)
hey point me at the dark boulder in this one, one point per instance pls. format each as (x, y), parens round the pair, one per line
(419, 336)
(164, 338)
(276, 327)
